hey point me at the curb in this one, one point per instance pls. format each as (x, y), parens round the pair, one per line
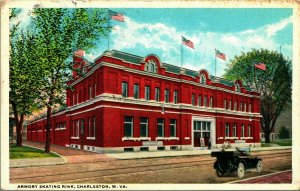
(236, 181)
(45, 164)
(130, 156)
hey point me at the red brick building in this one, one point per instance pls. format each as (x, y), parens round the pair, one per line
(125, 102)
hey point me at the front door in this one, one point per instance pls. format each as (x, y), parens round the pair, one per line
(201, 133)
(81, 133)
(197, 136)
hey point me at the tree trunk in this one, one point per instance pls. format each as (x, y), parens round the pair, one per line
(48, 133)
(19, 126)
(267, 137)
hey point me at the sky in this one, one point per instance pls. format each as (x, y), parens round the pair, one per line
(159, 30)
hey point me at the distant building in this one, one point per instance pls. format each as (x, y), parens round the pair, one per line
(125, 102)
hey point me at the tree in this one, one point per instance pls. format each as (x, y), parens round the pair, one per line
(274, 84)
(59, 33)
(23, 74)
(284, 133)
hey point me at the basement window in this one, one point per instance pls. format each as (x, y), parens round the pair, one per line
(128, 149)
(161, 148)
(144, 148)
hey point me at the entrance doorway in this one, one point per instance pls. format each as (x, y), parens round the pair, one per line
(201, 133)
(81, 134)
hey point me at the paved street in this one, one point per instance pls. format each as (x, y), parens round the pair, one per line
(280, 177)
(87, 167)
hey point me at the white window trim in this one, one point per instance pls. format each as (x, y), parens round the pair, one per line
(231, 138)
(166, 138)
(163, 125)
(91, 138)
(132, 123)
(136, 138)
(74, 137)
(146, 126)
(243, 130)
(175, 125)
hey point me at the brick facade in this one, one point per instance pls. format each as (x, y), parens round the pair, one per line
(128, 102)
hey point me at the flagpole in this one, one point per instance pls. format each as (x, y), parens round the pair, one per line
(181, 55)
(215, 66)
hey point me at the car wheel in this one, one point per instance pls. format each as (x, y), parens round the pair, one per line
(259, 166)
(241, 170)
(219, 173)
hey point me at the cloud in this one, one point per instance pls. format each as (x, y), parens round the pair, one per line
(165, 41)
(274, 28)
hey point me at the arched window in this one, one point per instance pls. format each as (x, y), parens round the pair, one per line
(237, 87)
(202, 79)
(151, 67)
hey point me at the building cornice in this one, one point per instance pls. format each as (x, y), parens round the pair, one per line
(142, 102)
(144, 73)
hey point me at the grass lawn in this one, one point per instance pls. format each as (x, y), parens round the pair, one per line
(27, 152)
(280, 142)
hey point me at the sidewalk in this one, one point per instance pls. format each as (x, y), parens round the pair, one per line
(79, 156)
(30, 162)
(156, 154)
(277, 177)
(68, 155)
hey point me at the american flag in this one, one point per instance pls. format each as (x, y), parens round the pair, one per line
(220, 55)
(79, 53)
(260, 66)
(187, 42)
(116, 16)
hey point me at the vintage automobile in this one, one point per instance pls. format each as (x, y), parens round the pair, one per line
(235, 161)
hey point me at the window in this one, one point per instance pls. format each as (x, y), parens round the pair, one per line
(151, 67)
(92, 127)
(157, 94)
(167, 96)
(143, 127)
(74, 103)
(124, 89)
(237, 87)
(147, 92)
(128, 126)
(202, 79)
(77, 129)
(225, 104)
(241, 106)
(73, 128)
(249, 131)
(136, 88)
(160, 127)
(95, 89)
(89, 127)
(234, 130)
(90, 92)
(205, 101)
(249, 108)
(245, 107)
(243, 130)
(234, 106)
(175, 96)
(77, 98)
(211, 104)
(193, 99)
(172, 127)
(227, 130)
(82, 127)
(199, 100)
(229, 106)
